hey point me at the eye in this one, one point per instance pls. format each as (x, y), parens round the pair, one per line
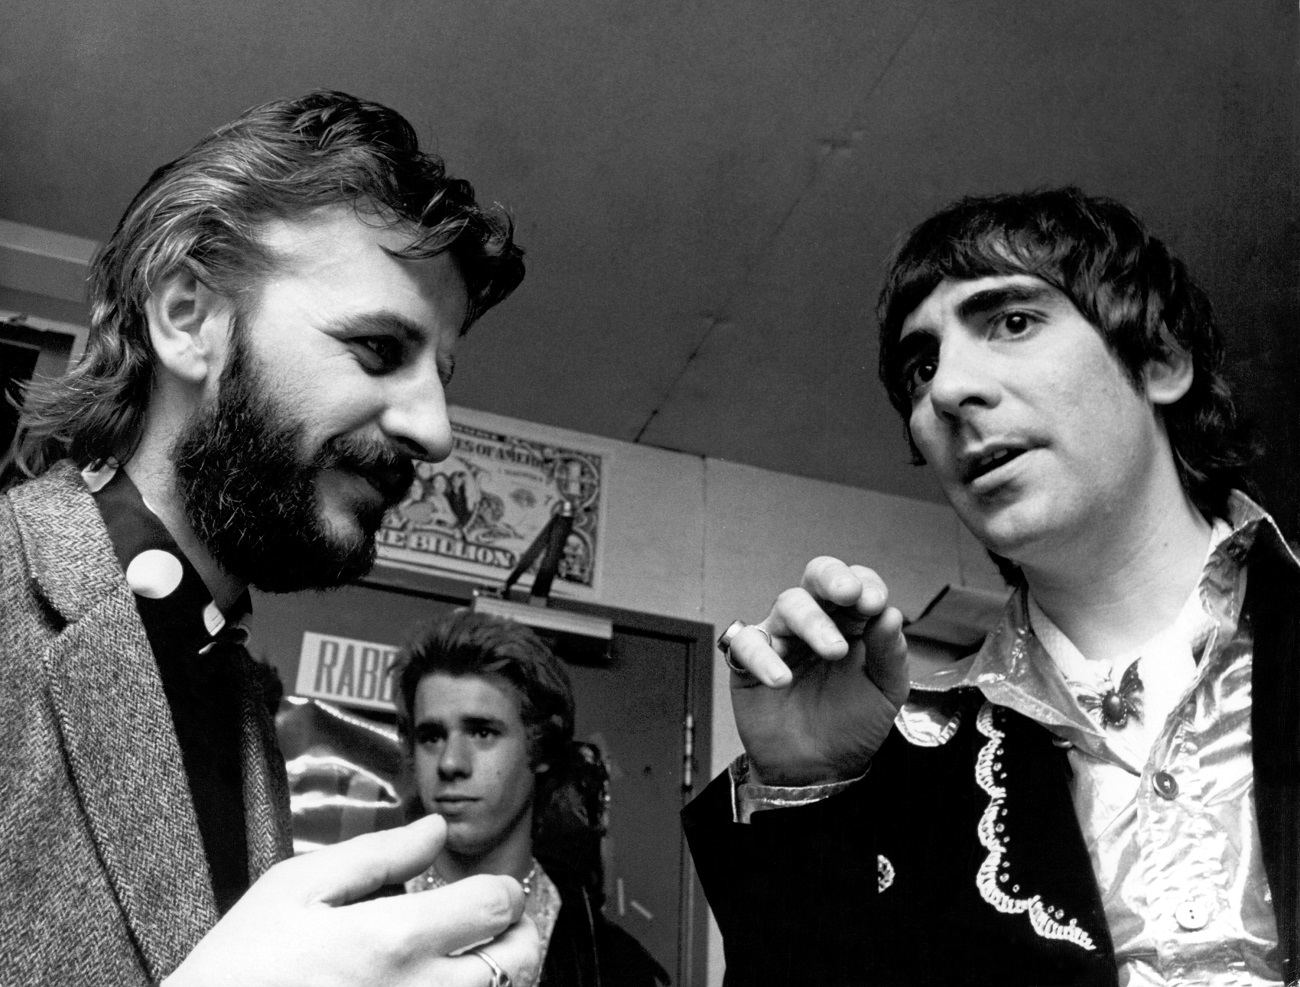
(379, 354)
(924, 371)
(919, 371)
(1014, 322)
(429, 735)
(484, 733)
(446, 370)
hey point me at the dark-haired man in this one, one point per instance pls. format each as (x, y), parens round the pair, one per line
(1104, 793)
(273, 323)
(487, 714)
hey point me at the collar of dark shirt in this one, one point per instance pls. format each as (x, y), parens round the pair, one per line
(178, 612)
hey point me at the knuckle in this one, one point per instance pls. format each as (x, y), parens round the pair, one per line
(496, 905)
(865, 574)
(822, 567)
(524, 950)
(793, 600)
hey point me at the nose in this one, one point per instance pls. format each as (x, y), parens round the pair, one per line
(963, 380)
(456, 758)
(415, 413)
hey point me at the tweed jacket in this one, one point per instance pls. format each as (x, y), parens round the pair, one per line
(879, 884)
(103, 877)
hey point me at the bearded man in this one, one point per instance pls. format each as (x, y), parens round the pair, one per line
(273, 324)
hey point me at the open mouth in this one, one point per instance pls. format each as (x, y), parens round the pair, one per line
(391, 483)
(987, 462)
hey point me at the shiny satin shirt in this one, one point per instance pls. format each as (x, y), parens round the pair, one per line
(1165, 804)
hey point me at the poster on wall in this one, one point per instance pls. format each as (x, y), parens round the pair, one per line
(476, 513)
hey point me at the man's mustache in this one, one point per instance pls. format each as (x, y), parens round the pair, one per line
(390, 471)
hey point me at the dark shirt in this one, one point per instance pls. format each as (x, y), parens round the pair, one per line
(196, 646)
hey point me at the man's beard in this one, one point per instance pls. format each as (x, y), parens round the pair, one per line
(250, 491)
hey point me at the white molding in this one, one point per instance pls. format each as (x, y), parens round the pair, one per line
(44, 262)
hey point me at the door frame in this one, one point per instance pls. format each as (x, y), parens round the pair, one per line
(693, 933)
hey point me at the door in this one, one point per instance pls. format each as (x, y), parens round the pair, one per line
(635, 705)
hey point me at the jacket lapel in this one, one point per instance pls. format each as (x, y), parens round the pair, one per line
(115, 724)
(266, 786)
(1273, 608)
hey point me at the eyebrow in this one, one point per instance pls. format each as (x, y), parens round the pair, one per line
(981, 303)
(380, 323)
(474, 722)
(991, 299)
(471, 722)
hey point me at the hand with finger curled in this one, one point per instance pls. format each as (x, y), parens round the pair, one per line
(816, 685)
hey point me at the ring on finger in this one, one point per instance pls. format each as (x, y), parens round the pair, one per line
(729, 635)
(499, 976)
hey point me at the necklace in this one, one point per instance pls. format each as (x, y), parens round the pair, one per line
(433, 879)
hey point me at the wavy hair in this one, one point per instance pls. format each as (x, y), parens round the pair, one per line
(205, 212)
(468, 643)
(1139, 297)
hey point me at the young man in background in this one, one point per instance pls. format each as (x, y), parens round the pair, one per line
(487, 714)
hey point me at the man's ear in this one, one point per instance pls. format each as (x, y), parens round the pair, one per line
(1169, 377)
(189, 327)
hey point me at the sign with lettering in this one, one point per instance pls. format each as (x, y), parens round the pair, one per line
(344, 670)
(477, 512)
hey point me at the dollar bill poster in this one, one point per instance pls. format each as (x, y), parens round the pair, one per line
(477, 512)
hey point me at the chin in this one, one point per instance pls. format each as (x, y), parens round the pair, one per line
(1009, 531)
(350, 519)
(466, 843)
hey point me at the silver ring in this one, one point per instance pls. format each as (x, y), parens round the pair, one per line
(499, 976)
(727, 636)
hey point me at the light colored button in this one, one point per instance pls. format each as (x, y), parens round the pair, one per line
(1193, 914)
(1165, 784)
(213, 618)
(96, 480)
(154, 574)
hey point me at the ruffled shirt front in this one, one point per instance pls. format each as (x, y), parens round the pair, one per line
(1166, 804)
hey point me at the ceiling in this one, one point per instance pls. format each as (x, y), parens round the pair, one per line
(708, 191)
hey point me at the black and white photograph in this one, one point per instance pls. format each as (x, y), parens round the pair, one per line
(558, 493)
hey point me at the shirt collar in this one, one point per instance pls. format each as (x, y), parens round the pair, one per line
(1190, 629)
(169, 592)
(1012, 668)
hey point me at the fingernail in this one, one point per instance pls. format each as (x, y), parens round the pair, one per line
(832, 640)
(778, 680)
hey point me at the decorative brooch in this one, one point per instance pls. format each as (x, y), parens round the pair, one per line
(1117, 705)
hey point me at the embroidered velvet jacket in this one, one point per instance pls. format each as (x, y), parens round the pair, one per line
(963, 862)
(880, 884)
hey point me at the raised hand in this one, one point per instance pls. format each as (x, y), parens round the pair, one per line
(303, 923)
(816, 703)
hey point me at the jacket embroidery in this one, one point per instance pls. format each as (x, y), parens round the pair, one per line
(926, 725)
(995, 869)
(884, 873)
